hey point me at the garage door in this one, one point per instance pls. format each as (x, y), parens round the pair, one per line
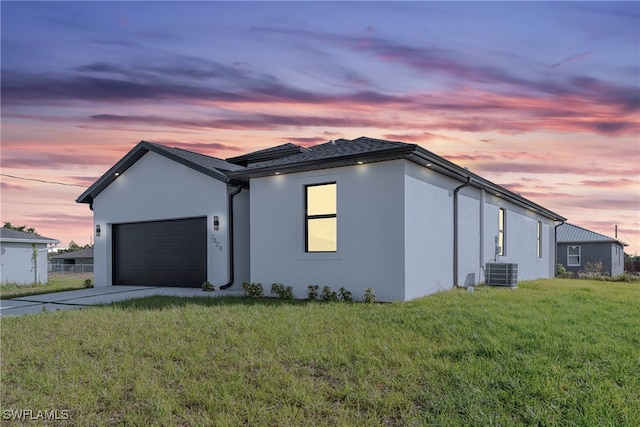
(160, 253)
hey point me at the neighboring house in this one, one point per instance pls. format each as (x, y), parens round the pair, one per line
(578, 248)
(78, 261)
(358, 214)
(23, 257)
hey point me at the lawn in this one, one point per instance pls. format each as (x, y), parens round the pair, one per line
(57, 283)
(552, 352)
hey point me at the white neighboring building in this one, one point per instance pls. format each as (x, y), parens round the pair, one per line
(358, 214)
(23, 257)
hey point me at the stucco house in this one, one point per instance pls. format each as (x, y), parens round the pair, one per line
(77, 261)
(358, 214)
(578, 248)
(23, 257)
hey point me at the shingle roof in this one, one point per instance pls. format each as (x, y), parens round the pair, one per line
(82, 253)
(569, 233)
(340, 148)
(271, 153)
(290, 158)
(9, 235)
(211, 166)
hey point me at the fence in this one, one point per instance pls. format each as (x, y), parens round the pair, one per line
(71, 268)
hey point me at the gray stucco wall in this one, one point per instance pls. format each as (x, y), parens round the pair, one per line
(592, 252)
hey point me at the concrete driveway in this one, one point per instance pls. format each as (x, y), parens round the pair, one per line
(93, 296)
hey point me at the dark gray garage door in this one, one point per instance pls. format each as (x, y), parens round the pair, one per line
(160, 253)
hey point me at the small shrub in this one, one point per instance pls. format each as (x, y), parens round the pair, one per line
(328, 295)
(562, 272)
(312, 292)
(207, 286)
(282, 292)
(88, 283)
(625, 277)
(345, 295)
(369, 296)
(593, 271)
(253, 290)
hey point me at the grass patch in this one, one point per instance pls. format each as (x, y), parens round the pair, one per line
(57, 283)
(552, 352)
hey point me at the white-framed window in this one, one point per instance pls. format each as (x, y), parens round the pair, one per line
(502, 232)
(321, 217)
(573, 256)
(539, 239)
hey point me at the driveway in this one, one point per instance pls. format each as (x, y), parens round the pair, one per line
(93, 296)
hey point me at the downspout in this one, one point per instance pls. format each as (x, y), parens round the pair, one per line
(455, 231)
(231, 248)
(555, 248)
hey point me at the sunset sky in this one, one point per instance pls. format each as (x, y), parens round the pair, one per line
(542, 98)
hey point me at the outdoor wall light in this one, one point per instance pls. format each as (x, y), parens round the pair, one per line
(117, 174)
(97, 230)
(216, 223)
(360, 162)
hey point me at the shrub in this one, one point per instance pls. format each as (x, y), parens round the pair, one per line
(207, 286)
(562, 272)
(369, 296)
(88, 283)
(328, 294)
(312, 292)
(593, 271)
(282, 292)
(253, 290)
(345, 295)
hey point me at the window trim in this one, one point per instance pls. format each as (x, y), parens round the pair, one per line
(539, 239)
(308, 217)
(502, 231)
(579, 255)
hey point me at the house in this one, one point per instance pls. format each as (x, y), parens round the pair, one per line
(579, 248)
(358, 214)
(73, 262)
(23, 257)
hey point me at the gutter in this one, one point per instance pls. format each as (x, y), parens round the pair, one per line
(555, 251)
(455, 231)
(231, 239)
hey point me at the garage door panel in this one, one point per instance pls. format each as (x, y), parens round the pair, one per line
(161, 253)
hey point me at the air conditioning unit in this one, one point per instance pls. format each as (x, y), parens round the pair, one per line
(501, 274)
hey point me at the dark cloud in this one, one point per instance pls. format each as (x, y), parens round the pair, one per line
(248, 121)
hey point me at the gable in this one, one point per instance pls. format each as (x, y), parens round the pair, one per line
(210, 166)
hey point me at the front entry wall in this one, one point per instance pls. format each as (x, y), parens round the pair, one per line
(370, 223)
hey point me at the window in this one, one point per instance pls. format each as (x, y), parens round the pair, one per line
(502, 226)
(573, 255)
(539, 239)
(321, 222)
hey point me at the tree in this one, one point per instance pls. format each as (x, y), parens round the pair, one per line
(73, 246)
(22, 228)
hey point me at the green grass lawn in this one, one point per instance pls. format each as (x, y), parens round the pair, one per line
(552, 352)
(57, 283)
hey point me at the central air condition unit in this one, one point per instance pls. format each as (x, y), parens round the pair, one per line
(501, 274)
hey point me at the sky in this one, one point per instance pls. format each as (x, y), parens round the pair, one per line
(542, 97)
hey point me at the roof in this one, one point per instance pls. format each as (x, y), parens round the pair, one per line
(291, 158)
(277, 152)
(82, 253)
(15, 236)
(211, 166)
(569, 233)
(345, 152)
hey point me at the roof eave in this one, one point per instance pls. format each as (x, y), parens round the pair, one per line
(338, 161)
(130, 159)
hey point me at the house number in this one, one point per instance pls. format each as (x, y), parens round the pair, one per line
(215, 242)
